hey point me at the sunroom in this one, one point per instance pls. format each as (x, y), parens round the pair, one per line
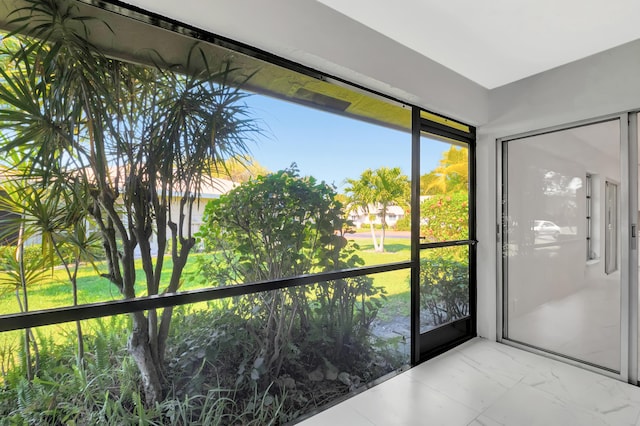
(493, 179)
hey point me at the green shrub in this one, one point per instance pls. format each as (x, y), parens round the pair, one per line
(445, 217)
(33, 253)
(283, 225)
(215, 369)
(444, 289)
(403, 224)
(63, 391)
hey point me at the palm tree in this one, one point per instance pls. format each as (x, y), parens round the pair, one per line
(19, 272)
(54, 216)
(451, 175)
(374, 192)
(360, 196)
(137, 142)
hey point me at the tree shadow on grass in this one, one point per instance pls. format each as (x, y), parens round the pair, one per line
(388, 248)
(395, 248)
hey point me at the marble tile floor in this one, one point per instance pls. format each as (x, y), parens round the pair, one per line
(487, 383)
(584, 325)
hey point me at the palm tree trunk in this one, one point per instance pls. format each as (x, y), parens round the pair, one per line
(179, 258)
(140, 350)
(384, 231)
(73, 277)
(78, 324)
(383, 222)
(27, 353)
(373, 234)
(25, 304)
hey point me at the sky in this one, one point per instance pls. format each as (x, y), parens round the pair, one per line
(330, 147)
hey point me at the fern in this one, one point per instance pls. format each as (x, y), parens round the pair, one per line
(25, 395)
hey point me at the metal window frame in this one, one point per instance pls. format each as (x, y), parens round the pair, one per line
(124, 306)
(443, 341)
(446, 336)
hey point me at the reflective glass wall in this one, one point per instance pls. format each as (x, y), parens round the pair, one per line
(561, 242)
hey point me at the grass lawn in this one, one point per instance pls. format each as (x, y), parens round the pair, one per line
(395, 283)
(56, 292)
(92, 288)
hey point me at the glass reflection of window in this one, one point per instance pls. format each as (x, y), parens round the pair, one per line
(611, 227)
(591, 255)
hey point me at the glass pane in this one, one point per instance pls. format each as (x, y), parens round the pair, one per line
(48, 288)
(444, 191)
(367, 165)
(444, 286)
(287, 188)
(558, 299)
(258, 359)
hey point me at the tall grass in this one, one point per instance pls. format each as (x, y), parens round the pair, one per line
(105, 388)
(209, 366)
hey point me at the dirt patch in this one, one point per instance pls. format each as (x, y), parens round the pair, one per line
(399, 327)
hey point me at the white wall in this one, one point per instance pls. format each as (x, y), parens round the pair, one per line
(314, 35)
(599, 85)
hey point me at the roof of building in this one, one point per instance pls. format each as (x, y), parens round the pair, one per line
(210, 187)
(391, 210)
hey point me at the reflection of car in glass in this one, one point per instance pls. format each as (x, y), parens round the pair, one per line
(544, 227)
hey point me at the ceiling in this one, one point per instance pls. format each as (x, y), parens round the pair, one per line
(496, 42)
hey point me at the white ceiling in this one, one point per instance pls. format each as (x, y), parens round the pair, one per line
(495, 42)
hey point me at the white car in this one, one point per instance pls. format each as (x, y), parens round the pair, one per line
(544, 227)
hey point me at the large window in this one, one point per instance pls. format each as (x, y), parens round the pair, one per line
(204, 232)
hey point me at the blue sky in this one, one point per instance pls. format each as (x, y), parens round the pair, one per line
(328, 146)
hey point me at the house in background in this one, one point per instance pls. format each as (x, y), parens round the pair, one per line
(361, 218)
(4, 215)
(211, 189)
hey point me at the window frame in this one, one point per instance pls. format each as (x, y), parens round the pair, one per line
(436, 124)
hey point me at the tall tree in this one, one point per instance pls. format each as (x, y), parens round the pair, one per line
(133, 140)
(444, 212)
(374, 192)
(451, 175)
(239, 169)
(360, 199)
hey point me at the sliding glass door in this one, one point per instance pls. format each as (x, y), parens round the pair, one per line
(564, 239)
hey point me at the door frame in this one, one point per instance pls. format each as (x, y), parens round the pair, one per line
(628, 230)
(442, 338)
